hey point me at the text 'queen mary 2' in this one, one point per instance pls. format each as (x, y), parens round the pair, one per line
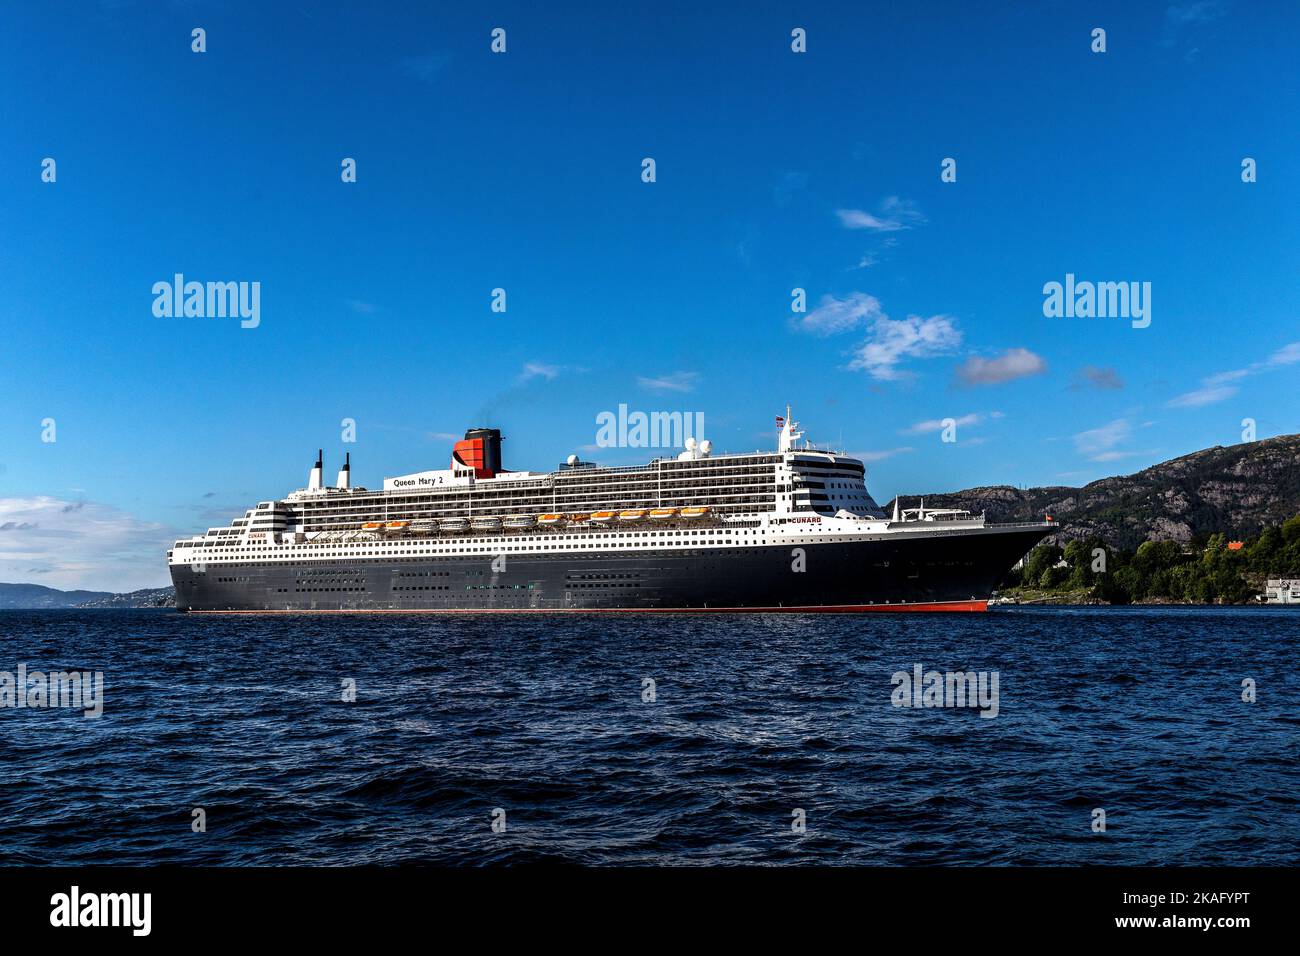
(789, 530)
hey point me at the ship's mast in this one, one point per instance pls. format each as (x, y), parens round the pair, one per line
(788, 434)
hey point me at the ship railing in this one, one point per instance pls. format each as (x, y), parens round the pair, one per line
(640, 524)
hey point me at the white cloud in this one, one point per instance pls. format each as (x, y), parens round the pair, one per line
(938, 424)
(1098, 444)
(834, 315)
(895, 214)
(364, 308)
(1010, 365)
(1286, 355)
(1216, 388)
(857, 219)
(673, 382)
(1205, 395)
(882, 454)
(891, 341)
(80, 544)
(534, 370)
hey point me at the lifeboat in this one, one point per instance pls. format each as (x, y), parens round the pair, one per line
(486, 524)
(602, 516)
(424, 524)
(579, 516)
(519, 521)
(661, 514)
(549, 520)
(632, 514)
(397, 525)
(453, 524)
(695, 512)
(372, 526)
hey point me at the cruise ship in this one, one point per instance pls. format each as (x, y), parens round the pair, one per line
(793, 529)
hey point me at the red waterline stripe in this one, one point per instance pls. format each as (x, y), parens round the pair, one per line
(938, 606)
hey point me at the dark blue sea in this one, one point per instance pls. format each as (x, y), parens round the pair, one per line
(1138, 712)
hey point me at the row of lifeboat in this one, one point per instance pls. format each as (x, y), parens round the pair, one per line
(524, 522)
(632, 514)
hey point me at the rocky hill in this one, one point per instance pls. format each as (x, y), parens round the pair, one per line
(145, 597)
(1236, 490)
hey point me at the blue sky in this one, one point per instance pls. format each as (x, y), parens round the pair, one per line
(775, 171)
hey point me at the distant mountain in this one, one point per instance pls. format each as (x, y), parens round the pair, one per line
(1236, 490)
(35, 596)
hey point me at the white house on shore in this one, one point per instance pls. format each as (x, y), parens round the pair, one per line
(1282, 591)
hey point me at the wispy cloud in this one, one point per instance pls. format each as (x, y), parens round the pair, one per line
(892, 341)
(1102, 444)
(893, 215)
(80, 544)
(673, 382)
(425, 68)
(889, 341)
(1219, 387)
(532, 370)
(1286, 355)
(1216, 388)
(882, 454)
(1181, 17)
(833, 315)
(1093, 376)
(363, 308)
(938, 424)
(1009, 366)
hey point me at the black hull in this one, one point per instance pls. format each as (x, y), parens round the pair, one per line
(944, 572)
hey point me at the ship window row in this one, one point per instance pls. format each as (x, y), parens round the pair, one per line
(540, 494)
(721, 506)
(562, 541)
(649, 498)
